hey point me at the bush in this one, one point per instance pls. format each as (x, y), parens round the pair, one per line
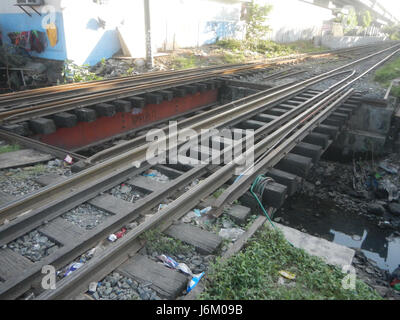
(231, 44)
(387, 73)
(253, 274)
(74, 73)
(180, 63)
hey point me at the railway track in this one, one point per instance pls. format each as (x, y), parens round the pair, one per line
(282, 118)
(20, 106)
(20, 98)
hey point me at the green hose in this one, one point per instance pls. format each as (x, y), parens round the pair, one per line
(259, 186)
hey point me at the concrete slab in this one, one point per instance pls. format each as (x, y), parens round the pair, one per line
(239, 214)
(49, 179)
(123, 105)
(86, 115)
(20, 129)
(295, 164)
(275, 195)
(43, 126)
(113, 205)
(65, 120)
(12, 264)
(167, 282)
(263, 117)
(205, 242)
(291, 181)
(330, 252)
(252, 124)
(147, 184)
(105, 110)
(318, 139)
(63, 231)
(22, 158)
(5, 198)
(308, 150)
(363, 141)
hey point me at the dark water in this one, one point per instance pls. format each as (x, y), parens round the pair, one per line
(323, 219)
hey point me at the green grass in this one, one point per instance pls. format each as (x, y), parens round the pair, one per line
(218, 193)
(268, 48)
(387, 73)
(253, 274)
(306, 47)
(157, 242)
(182, 62)
(232, 44)
(231, 58)
(9, 148)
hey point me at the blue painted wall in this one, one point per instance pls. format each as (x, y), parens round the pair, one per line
(106, 47)
(17, 22)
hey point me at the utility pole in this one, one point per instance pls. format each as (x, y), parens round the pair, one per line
(149, 46)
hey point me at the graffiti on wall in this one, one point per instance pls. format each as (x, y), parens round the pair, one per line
(224, 29)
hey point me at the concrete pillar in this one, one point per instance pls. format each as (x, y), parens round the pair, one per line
(149, 46)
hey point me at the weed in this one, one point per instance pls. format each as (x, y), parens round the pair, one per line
(231, 44)
(9, 148)
(253, 274)
(387, 73)
(268, 48)
(218, 193)
(230, 58)
(157, 242)
(30, 172)
(130, 71)
(305, 47)
(180, 63)
(74, 73)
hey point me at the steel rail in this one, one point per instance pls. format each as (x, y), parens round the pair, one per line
(79, 85)
(27, 205)
(70, 288)
(13, 288)
(24, 224)
(10, 112)
(26, 113)
(37, 145)
(179, 207)
(210, 119)
(125, 248)
(65, 87)
(136, 142)
(23, 101)
(232, 192)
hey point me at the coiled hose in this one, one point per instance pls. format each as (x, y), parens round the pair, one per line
(258, 187)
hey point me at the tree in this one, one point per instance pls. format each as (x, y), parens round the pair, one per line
(393, 31)
(255, 20)
(351, 20)
(366, 19)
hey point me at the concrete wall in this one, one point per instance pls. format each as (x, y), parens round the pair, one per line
(80, 37)
(13, 19)
(189, 23)
(368, 128)
(293, 20)
(347, 42)
(87, 42)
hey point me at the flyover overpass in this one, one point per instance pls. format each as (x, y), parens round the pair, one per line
(377, 10)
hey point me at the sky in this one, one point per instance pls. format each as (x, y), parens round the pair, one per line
(393, 6)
